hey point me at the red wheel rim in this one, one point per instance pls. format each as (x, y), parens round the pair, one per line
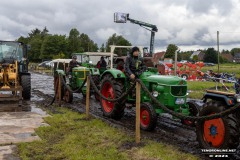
(108, 92)
(214, 132)
(187, 122)
(144, 117)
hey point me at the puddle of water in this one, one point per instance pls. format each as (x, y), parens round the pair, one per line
(37, 110)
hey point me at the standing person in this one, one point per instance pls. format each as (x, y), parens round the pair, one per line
(134, 65)
(73, 63)
(102, 63)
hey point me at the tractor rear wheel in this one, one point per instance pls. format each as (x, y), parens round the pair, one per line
(26, 85)
(148, 117)
(217, 133)
(112, 88)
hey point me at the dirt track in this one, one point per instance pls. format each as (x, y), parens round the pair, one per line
(168, 131)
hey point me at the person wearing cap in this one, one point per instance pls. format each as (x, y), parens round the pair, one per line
(73, 63)
(134, 65)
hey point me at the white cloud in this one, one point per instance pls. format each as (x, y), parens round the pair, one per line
(104, 34)
(188, 22)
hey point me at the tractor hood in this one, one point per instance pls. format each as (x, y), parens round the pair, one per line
(167, 80)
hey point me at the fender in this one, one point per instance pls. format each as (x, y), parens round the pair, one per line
(114, 72)
(218, 97)
(94, 71)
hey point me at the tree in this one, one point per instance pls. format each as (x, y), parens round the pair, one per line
(235, 50)
(184, 55)
(23, 40)
(87, 45)
(102, 48)
(210, 56)
(195, 58)
(170, 53)
(44, 32)
(52, 46)
(34, 53)
(34, 33)
(74, 41)
(118, 40)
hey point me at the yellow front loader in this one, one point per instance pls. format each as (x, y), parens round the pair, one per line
(15, 81)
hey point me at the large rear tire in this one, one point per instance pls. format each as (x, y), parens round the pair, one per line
(148, 117)
(26, 85)
(219, 133)
(112, 88)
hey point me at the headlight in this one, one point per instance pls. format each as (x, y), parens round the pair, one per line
(237, 96)
(155, 94)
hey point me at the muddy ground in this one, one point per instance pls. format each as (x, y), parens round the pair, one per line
(168, 131)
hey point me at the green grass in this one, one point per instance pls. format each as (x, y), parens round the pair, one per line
(228, 68)
(197, 88)
(71, 136)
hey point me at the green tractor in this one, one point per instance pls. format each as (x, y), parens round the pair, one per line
(76, 78)
(91, 59)
(171, 91)
(74, 81)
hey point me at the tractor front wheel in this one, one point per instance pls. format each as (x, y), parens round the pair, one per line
(112, 88)
(217, 133)
(148, 117)
(194, 111)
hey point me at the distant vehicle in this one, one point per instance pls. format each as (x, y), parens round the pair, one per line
(209, 64)
(45, 64)
(183, 61)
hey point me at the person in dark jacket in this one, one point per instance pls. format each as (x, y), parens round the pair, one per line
(102, 63)
(134, 65)
(73, 63)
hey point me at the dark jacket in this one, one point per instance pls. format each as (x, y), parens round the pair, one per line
(73, 64)
(134, 65)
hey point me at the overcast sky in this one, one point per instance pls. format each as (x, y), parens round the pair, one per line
(190, 24)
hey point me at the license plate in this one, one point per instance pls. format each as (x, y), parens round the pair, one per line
(179, 101)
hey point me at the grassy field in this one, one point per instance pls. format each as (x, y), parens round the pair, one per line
(197, 88)
(72, 136)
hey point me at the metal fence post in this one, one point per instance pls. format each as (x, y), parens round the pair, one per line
(87, 97)
(138, 92)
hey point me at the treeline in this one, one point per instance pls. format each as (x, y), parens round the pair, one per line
(210, 54)
(47, 46)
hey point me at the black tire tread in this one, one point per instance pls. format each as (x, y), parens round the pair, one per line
(26, 85)
(118, 109)
(153, 117)
(231, 126)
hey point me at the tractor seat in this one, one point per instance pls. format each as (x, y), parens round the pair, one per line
(220, 92)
